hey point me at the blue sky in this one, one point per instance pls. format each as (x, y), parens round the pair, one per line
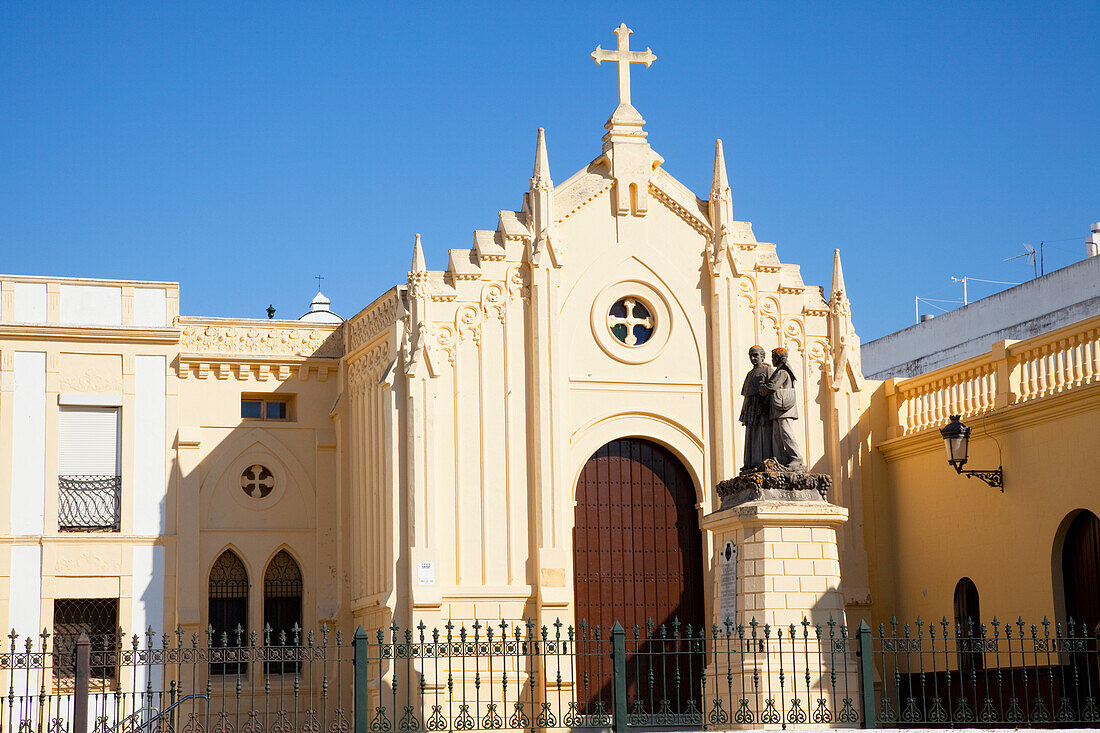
(242, 148)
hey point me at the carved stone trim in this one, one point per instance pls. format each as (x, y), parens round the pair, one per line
(261, 339)
(365, 327)
(693, 221)
(775, 483)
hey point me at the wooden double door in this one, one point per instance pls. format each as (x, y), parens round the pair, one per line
(637, 560)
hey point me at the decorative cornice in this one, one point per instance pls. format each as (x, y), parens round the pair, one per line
(127, 335)
(692, 220)
(585, 202)
(365, 327)
(209, 337)
(278, 368)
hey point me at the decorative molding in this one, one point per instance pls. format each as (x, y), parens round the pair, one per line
(518, 288)
(365, 372)
(365, 327)
(585, 202)
(445, 339)
(468, 323)
(97, 334)
(90, 381)
(494, 299)
(692, 220)
(262, 369)
(292, 339)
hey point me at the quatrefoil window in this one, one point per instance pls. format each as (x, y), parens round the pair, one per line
(257, 481)
(631, 321)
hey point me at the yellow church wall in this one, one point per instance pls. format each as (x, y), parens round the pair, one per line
(929, 527)
(222, 362)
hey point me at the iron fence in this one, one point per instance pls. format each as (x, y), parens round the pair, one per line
(943, 674)
(507, 675)
(514, 675)
(89, 503)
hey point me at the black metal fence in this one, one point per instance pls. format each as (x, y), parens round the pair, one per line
(943, 674)
(89, 503)
(514, 675)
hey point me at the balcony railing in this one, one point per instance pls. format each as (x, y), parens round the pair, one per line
(1012, 373)
(89, 503)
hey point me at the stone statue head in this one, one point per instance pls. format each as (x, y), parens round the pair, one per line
(757, 355)
(779, 356)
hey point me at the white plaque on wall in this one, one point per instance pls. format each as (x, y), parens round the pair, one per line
(727, 591)
(425, 573)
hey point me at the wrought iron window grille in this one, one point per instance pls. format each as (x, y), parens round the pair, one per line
(89, 503)
(98, 619)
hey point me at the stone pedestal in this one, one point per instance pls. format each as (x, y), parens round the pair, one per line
(777, 595)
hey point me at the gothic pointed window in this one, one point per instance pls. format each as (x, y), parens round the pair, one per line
(228, 612)
(283, 611)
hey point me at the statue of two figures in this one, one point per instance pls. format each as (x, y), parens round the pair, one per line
(768, 412)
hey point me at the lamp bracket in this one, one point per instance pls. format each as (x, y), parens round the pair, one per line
(992, 478)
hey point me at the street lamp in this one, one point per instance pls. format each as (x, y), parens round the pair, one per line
(956, 440)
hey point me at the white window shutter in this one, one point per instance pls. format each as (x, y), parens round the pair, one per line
(89, 442)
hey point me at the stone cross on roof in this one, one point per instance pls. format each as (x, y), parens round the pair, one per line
(624, 57)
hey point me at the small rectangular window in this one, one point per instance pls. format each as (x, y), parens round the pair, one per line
(255, 407)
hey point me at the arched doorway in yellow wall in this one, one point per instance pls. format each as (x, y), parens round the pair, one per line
(637, 559)
(1080, 558)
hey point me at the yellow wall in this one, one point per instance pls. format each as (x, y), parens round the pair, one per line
(930, 527)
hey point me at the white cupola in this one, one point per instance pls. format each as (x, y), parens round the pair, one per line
(320, 312)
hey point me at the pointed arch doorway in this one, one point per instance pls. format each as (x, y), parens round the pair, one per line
(637, 559)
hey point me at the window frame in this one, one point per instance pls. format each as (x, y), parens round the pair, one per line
(286, 401)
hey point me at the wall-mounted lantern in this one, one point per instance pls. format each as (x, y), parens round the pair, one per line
(956, 439)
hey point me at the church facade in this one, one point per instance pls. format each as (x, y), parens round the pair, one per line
(506, 417)
(535, 431)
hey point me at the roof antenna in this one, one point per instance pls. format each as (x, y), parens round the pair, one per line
(1029, 253)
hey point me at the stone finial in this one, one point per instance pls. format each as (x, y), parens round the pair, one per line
(721, 185)
(721, 209)
(540, 205)
(418, 275)
(838, 277)
(540, 176)
(418, 257)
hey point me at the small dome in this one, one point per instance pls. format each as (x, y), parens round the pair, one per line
(319, 311)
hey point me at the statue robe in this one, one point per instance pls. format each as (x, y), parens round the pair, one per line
(754, 416)
(783, 411)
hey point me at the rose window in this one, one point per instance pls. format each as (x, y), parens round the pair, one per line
(257, 481)
(630, 321)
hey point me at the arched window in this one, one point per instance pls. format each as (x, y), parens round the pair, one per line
(1080, 568)
(283, 608)
(968, 619)
(228, 609)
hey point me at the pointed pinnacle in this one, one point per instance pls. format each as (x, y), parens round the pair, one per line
(838, 273)
(418, 257)
(721, 182)
(541, 173)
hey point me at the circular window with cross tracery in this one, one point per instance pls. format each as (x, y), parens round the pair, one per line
(257, 481)
(631, 321)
